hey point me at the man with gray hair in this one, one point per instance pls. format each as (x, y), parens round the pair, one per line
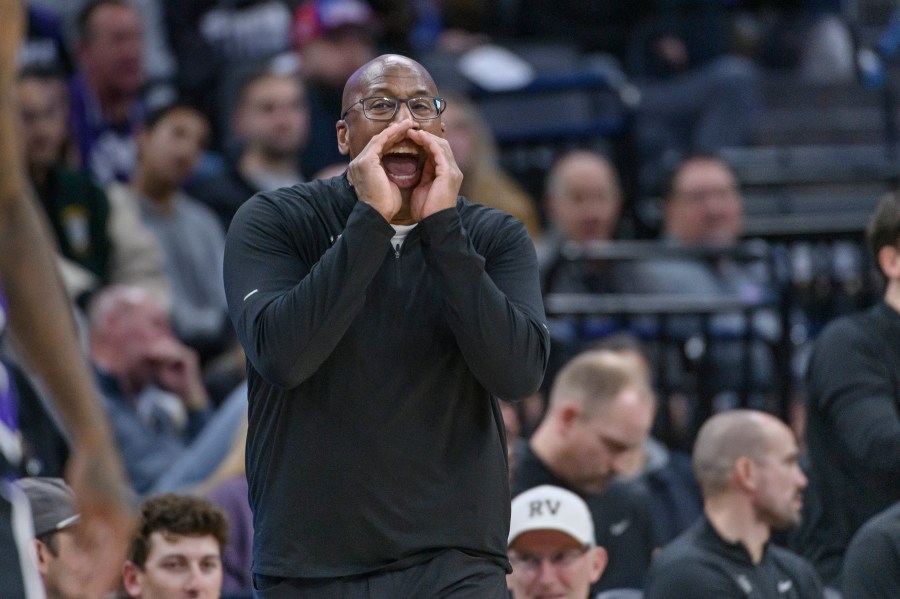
(746, 463)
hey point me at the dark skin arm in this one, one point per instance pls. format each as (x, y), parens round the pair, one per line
(44, 331)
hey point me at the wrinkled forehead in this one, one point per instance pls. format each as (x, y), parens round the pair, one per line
(395, 76)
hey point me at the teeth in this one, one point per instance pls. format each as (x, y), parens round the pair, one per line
(403, 150)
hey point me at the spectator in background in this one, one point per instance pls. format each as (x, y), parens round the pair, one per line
(552, 546)
(271, 126)
(853, 411)
(747, 464)
(583, 203)
(333, 38)
(703, 211)
(159, 64)
(600, 409)
(169, 145)
(154, 394)
(665, 473)
(176, 550)
(107, 105)
(872, 562)
(484, 180)
(99, 243)
(54, 514)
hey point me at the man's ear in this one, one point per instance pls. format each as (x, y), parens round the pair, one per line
(744, 473)
(43, 553)
(569, 413)
(343, 137)
(131, 579)
(599, 558)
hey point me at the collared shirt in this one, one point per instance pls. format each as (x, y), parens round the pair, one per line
(701, 564)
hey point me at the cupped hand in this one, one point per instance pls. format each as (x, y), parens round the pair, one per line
(441, 177)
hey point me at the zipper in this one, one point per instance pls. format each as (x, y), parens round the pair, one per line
(397, 262)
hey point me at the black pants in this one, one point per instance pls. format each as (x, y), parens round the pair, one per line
(450, 575)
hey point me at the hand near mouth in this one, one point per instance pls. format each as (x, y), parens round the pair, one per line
(441, 178)
(368, 176)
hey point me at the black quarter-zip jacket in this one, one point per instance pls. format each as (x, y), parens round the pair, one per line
(375, 439)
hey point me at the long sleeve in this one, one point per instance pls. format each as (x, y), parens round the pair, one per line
(850, 379)
(291, 307)
(493, 303)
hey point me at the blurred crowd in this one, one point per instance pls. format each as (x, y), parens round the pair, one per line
(146, 124)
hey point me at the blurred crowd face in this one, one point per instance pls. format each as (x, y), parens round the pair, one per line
(177, 567)
(550, 563)
(601, 443)
(584, 199)
(778, 500)
(136, 326)
(111, 53)
(333, 57)
(171, 149)
(44, 107)
(704, 207)
(273, 117)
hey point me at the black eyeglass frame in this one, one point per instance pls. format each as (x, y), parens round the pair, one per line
(438, 101)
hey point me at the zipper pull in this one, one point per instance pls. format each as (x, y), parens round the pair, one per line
(397, 251)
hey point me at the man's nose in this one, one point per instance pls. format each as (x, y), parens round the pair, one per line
(405, 114)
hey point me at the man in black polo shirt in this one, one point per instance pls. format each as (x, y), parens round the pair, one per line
(747, 465)
(601, 409)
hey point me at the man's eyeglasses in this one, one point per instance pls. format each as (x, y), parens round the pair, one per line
(530, 565)
(422, 108)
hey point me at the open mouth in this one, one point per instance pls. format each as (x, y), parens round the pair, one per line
(403, 165)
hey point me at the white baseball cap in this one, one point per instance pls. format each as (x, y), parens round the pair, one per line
(548, 507)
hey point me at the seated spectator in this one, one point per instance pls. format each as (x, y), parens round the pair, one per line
(61, 561)
(665, 473)
(599, 410)
(872, 561)
(332, 38)
(192, 239)
(153, 393)
(270, 126)
(852, 417)
(177, 549)
(99, 243)
(747, 464)
(703, 209)
(484, 180)
(583, 202)
(107, 102)
(552, 546)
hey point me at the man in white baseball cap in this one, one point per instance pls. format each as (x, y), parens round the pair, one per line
(551, 545)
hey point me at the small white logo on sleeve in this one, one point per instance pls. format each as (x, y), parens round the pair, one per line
(785, 585)
(249, 294)
(617, 529)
